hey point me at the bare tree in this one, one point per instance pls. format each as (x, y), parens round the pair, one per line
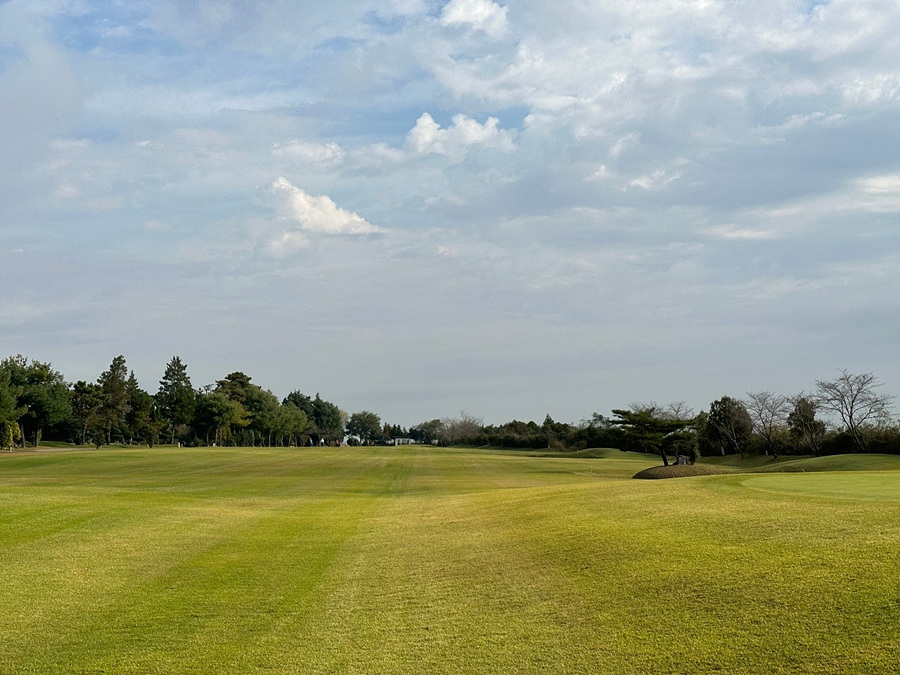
(768, 412)
(462, 429)
(853, 397)
(671, 411)
(677, 410)
(644, 407)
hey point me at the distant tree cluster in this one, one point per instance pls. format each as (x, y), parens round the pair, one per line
(848, 413)
(36, 402)
(516, 434)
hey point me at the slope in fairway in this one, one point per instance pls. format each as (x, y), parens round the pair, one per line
(417, 560)
(857, 485)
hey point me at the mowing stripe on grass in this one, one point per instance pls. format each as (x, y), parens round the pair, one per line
(415, 560)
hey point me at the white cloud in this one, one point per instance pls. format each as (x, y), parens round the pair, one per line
(316, 214)
(429, 137)
(314, 153)
(887, 184)
(41, 96)
(656, 179)
(876, 194)
(740, 233)
(578, 207)
(478, 14)
(286, 243)
(601, 173)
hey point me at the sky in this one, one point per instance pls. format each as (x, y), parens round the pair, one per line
(422, 207)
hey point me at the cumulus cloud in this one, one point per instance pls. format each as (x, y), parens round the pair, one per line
(315, 214)
(429, 137)
(478, 14)
(870, 89)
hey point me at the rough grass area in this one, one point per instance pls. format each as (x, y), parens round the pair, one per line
(428, 560)
(682, 471)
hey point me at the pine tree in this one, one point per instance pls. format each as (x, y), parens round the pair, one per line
(176, 397)
(114, 397)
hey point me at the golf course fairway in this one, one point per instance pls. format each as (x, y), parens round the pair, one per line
(432, 560)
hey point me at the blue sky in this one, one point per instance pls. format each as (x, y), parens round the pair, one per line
(418, 207)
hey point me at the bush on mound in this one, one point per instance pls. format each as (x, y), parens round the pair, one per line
(681, 471)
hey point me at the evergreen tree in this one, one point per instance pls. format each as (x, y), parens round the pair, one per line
(219, 415)
(142, 419)
(328, 420)
(803, 425)
(114, 404)
(262, 406)
(291, 422)
(176, 398)
(236, 386)
(45, 396)
(301, 400)
(647, 429)
(366, 426)
(9, 412)
(87, 399)
(729, 425)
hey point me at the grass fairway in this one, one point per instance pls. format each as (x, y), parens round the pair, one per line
(421, 560)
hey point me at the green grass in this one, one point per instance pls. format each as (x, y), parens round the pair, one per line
(426, 560)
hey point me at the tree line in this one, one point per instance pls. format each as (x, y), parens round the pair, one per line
(36, 403)
(848, 413)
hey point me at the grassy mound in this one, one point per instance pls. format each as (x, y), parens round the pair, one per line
(860, 462)
(681, 471)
